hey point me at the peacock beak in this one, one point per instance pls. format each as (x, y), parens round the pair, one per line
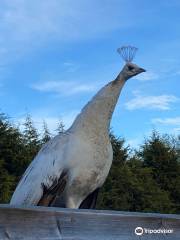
(142, 70)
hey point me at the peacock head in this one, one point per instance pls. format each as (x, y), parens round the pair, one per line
(130, 69)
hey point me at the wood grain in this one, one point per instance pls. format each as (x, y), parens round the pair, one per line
(44, 223)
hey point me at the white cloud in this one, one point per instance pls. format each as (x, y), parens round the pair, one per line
(26, 25)
(167, 121)
(64, 88)
(161, 102)
(147, 76)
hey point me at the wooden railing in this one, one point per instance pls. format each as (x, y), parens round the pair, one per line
(17, 223)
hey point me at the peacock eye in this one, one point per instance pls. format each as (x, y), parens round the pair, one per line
(130, 68)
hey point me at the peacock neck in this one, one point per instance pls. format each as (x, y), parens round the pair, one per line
(97, 114)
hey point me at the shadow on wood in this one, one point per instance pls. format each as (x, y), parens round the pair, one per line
(43, 223)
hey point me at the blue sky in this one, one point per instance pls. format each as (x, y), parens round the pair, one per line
(56, 54)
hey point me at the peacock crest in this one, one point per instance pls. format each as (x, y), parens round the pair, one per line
(127, 52)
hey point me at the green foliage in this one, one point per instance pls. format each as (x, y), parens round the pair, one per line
(12, 149)
(147, 180)
(16, 152)
(160, 153)
(6, 183)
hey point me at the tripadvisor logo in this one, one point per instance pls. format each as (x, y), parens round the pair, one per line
(140, 231)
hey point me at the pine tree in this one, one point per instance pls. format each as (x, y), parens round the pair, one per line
(160, 154)
(12, 151)
(60, 127)
(120, 153)
(31, 138)
(46, 134)
(130, 185)
(11, 158)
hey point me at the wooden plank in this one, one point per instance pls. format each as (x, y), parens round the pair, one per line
(42, 223)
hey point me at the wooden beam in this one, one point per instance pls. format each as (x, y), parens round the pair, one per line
(22, 223)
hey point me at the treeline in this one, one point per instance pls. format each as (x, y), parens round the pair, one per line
(146, 180)
(17, 149)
